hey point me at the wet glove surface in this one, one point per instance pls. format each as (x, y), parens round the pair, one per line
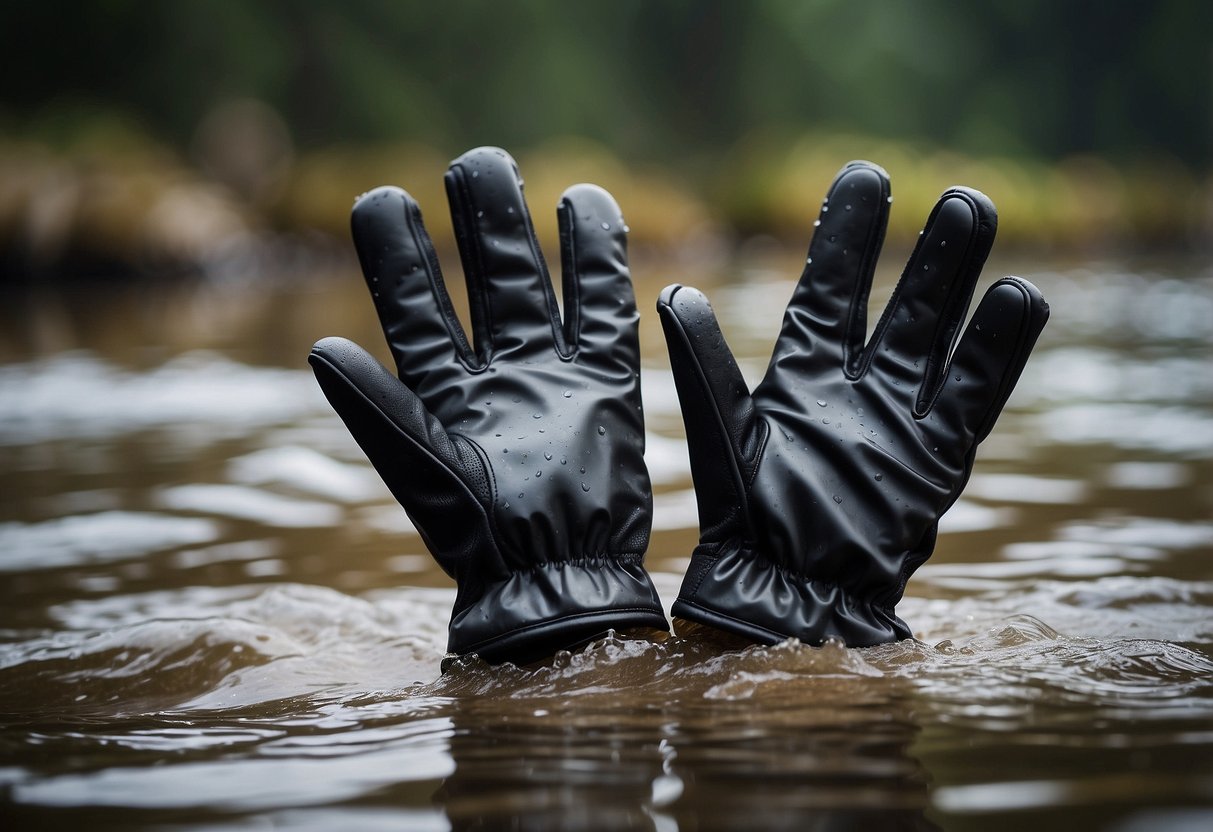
(520, 461)
(820, 493)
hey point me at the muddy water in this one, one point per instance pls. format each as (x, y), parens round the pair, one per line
(213, 615)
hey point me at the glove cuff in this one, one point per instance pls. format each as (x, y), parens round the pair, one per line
(734, 589)
(556, 606)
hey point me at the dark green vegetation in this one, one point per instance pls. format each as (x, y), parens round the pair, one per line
(1037, 78)
(1087, 122)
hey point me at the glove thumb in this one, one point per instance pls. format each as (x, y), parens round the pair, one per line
(723, 429)
(423, 467)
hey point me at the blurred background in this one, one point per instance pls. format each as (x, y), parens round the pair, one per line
(231, 136)
(214, 615)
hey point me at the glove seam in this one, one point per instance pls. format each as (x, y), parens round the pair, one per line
(491, 477)
(703, 569)
(553, 308)
(469, 246)
(853, 365)
(758, 457)
(908, 567)
(901, 463)
(570, 282)
(894, 303)
(433, 273)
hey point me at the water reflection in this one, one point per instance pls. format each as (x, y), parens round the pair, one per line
(761, 738)
(212, 613)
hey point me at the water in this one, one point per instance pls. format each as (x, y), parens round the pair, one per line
(214, 615)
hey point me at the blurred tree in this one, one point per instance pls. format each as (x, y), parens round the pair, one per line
(1043, 78)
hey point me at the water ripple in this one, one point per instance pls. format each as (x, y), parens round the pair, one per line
(97, 538)
(77, 395)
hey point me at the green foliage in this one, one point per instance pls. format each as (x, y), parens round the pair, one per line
(667, 81)
(136, 132)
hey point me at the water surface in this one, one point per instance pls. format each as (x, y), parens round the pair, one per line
(213, 614)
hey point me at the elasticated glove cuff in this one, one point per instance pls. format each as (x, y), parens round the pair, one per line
(733, 589)
(554, 606)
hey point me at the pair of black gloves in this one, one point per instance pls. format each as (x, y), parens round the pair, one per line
(519, 456)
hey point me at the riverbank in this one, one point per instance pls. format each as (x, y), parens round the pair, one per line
(115, 203)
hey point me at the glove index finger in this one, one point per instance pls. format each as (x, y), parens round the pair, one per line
(918, 328)
(402, 273)
(825, 322)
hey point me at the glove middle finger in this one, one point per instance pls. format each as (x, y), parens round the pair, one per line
(513, 307)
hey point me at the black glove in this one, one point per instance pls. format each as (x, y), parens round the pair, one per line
(521, 462)
(820, 494)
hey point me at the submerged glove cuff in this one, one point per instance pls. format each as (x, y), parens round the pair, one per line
(732, 588)
(554, 606)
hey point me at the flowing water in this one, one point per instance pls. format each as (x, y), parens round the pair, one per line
(215, 616)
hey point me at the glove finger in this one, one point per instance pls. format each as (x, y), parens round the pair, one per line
(825, 323)
(512, 304)
(600, 316)
(383, 414)
(989, 360)
(723, 429)
(911, 344)
(401, 270)
(420, 464)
